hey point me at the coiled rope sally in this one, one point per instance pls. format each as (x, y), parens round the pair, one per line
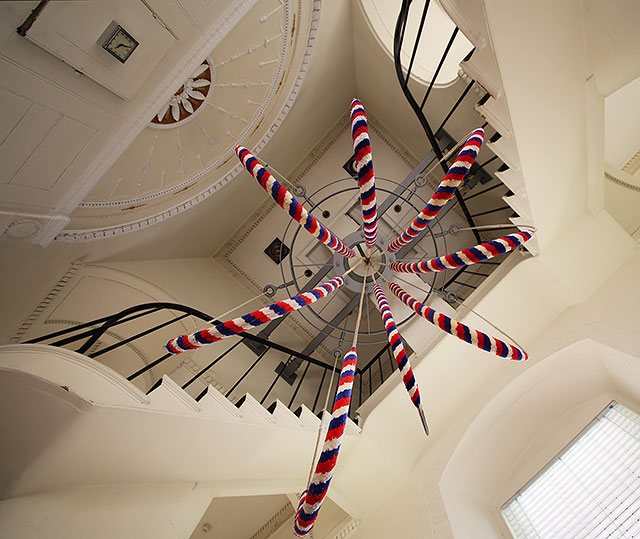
(288, 203)
(458, 329)
(256, 318)
(399, 353)
(445, 191)
(465, 257)
(366, 178)
(311, 499)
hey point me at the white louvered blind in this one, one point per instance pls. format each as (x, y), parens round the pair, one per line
(592, 489)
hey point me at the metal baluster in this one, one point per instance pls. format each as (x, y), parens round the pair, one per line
(136, 336)
(279, 373)
(147, 367)
(299, 384)
(415, 46)
(247, 372)
(202, 371)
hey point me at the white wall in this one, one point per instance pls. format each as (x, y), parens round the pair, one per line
(104, 512)
(504, 433)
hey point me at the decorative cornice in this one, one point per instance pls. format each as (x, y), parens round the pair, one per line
(614, 179)
(633, 164)
(330, 138)
(119, 143)
(88, 235)
(395, 145)
(225, 156)
(46, 301)
(350, 527)
(277, 520)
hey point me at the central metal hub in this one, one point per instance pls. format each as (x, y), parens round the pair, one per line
(373, 265)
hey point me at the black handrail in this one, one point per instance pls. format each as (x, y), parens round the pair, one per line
(397, 48)
(89, 333)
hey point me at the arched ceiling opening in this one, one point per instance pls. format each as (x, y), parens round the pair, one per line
(435, 35)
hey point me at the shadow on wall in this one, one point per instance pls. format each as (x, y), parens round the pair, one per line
(526, 424)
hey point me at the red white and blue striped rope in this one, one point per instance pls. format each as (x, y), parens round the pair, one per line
(253, 319)
(458, 329)
(399, 352)
(445, 191)
(289, 204)
(312, 498)
(465, 257)
(364, 166)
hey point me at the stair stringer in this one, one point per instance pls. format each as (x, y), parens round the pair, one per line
(483, 67)
(126, 437)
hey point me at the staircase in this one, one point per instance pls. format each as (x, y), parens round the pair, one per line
(77, 422)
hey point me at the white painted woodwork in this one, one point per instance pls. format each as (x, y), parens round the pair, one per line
(70, 31)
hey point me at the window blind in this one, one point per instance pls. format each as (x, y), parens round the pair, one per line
(590, 490)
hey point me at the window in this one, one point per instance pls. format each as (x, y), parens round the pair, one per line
(591, 489)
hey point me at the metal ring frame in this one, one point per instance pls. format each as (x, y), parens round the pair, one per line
(297, 289)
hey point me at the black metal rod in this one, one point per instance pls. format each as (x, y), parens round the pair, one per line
(304, 373)
(155, 386)
(136, 336)
(28, 22)
(380, 367)
(202, 393)
(455, 276)
(391, 360)
(196, 313)
(147, 367)
(84, 334)
(397, 46)
(370, 383)
(315, 401)
(264, 397)
(442, 59)
(415, 45)
(467, 285)
(496, 186)
(205, 369)
(488, 161)
(491, 211)
(404, 23)
(246, 373)
(360, 392)
(455, 106)
(278, 375)
(475, 273)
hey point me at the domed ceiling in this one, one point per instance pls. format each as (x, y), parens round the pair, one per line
(239, 94)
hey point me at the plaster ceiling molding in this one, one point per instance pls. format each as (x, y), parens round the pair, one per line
(188, 100)
(622, 128)
(381, 16)
(256, 73)
(632, 166)
(74, 267)
(123, 361)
